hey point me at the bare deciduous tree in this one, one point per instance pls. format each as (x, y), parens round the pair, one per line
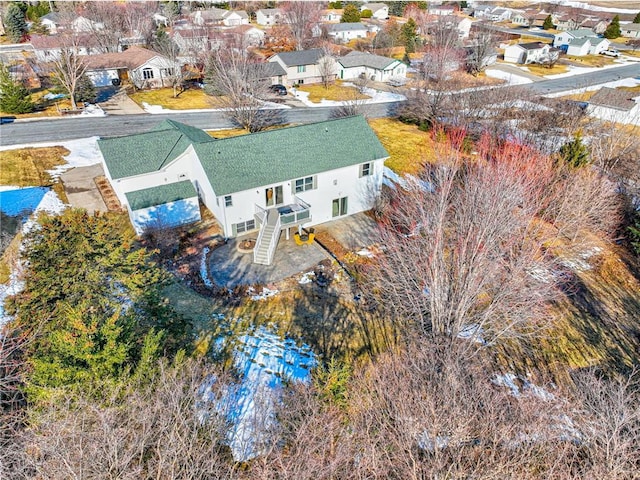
(301, 17)
(357, 103)
(480, 52)
(69, 67)
(242, 84)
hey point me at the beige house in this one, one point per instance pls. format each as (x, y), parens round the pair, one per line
(305, 66)
(630, 30)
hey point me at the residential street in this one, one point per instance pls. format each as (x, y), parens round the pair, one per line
(22, 132)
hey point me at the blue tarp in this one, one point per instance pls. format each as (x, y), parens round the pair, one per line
(22, 201)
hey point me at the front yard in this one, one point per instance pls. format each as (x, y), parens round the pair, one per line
(337, 91)
(191, 99)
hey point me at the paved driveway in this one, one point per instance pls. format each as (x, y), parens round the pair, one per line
(81, 188)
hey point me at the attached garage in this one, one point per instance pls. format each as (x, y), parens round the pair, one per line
(164, 206)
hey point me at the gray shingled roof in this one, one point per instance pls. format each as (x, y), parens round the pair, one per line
(300, 57)
(167, 193)
(148, 152)
(363, 59)
(580, 41)
(344, 27)
(273, 69)
(613, 98)
(532, 45)
(250, 161)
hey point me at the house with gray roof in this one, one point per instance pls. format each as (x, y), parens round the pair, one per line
(305, 66)
(269, 16)
(615, 105)
(344, 32)
(374, 67)
(263, 183)
(580, 42)
(379, 11)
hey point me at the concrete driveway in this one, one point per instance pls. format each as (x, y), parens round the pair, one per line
(81, 188)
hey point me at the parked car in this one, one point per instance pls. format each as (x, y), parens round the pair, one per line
(7, 119)
(278, 89)
(612, 52)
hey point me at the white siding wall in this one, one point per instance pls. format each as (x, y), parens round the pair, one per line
(379, 75)
(513, 54)
(343, 182)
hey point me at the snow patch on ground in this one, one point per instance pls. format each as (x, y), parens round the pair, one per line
(510, 78)
(625, 82)
(266, 293)
(521, 386)
(366, 253)
(307, 277)
(595, 8)
(472, 332)
(204, 271)
(159, 109)
(264, 361)
(580, 262)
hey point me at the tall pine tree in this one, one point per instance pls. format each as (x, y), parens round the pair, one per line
(14, 97)
(14, 23)
(548, 23)
(613, 30)
(637, 18)
(575, 153)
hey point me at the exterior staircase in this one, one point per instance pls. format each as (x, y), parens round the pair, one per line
(267, 239)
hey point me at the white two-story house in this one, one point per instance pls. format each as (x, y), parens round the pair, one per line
(266, 183)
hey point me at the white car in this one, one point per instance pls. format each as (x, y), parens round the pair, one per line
(611, 53)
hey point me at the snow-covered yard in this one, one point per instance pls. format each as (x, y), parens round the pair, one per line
(264, 361)
(377, 96)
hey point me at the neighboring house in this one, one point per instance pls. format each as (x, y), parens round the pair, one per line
(263, 183)
(344, 32)
(269, 16)
(615, 105)
(374, 67)
(331, 15)
(304, 66)
(83, 24)
(525, 53)
(580, 42)
(274, 72)
(219, 16)
(596, 25)
(144, 68)
(567, 22)
(538, 19)
(441, 9)
(500, 14)
(461, 24)
(520, 18)
(380, 10)
(52, 22)
(243, 36)
(191, 41)
(48, 47)
(630, 30)
(480, 11)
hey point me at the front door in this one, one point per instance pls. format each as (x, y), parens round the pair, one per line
(274, 196)
(339, 207)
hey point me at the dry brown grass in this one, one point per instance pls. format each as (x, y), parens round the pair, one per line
(336, 92)
(192, 99)
(408, 147)
(28, 166)
(542, 70)
(591, 60)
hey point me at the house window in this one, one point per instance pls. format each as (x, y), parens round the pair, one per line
(228, 202)
(147, 73)
(167, 72)
(304, 184)
(366, 169)
(243, 227)
(302, 68)
(339, 207)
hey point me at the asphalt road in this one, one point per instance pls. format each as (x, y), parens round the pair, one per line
(29, 132)
(48, 130)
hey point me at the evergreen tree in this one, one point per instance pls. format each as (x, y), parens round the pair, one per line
(14, 97)
(14, 23)
(37, 10)
(548, 23)
(574, 153)
(408, 33)
(172, 8)
(92, 298)
(397, 9)
(613, 30)
(350, 14)
(634, 234)
(335, 5)
(85, 91)
(637, 18)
